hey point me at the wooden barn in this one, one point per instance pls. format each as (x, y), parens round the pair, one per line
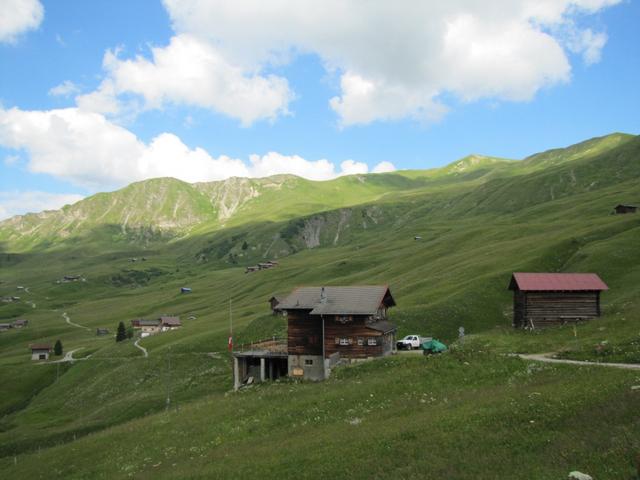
(625, 209)
(325, 324)
(40, 351)
(546, 299)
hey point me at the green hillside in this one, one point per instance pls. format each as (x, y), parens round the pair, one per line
(478, 220)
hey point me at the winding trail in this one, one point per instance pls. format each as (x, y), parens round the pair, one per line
(144, 350)
(66, 317)
(68, 357)
(545, 357)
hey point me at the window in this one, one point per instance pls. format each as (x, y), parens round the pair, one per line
(372, 342)
(308, 361)
(360, 341)
(344, 341)
(343, 319)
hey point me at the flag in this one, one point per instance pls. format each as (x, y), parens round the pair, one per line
(230, 343)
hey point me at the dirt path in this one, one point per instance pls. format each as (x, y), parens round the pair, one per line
(545, 357)
(68, 357)
(68, 320)
(144, 350)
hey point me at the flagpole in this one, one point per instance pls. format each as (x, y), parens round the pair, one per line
(230, 326)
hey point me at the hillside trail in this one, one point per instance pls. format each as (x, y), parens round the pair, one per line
(68, 357)
(545, 357)
(68, 320)
(144, 350)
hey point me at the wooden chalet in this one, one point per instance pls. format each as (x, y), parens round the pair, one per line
(618, 209)
(326, 324)
(169, 323)
(546, 299)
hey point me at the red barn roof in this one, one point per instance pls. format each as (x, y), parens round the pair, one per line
(554, 282)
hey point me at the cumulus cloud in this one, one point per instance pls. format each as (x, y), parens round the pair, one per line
(394, 59)
(64, 89)
(384, 167)
(88, 150)
(19, 16)
(19, 203)
(189, 72)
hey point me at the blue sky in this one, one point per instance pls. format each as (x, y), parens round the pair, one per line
(95, 95)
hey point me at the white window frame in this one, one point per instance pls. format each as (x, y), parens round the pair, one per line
(374, 340)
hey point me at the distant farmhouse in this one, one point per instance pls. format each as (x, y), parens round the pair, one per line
(325, 325)
(150, 327)
(261, 266)
(20, 323)
(618, 209)
(102, 331)
(40, 351)
(546, 299)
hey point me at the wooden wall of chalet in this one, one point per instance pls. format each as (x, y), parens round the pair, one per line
(304, 333)
(554, 308)
(351, 330)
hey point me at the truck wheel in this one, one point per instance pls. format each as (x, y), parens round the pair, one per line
(409, 347)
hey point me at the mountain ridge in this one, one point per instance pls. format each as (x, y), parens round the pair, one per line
(166, 207)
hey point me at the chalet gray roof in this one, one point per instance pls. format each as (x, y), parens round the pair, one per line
(170, 321)
(147, 323)
(382, 326)
(358, 300)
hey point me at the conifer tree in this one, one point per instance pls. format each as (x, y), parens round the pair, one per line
(121, 333)
(57, 348)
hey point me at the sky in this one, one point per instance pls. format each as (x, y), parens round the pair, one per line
(96, 95)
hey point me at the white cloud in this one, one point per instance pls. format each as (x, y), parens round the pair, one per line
(190, 72)
(587, 43)
(351, 167)
(19, 203)
(65, 89)
(394, 59)
(19, 16)
(384, 167)
(88, 150)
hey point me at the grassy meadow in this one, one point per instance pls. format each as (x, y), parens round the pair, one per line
(474, 412)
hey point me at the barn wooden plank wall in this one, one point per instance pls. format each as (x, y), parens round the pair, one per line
(540, 309)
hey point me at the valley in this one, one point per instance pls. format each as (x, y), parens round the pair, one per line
(445, 241)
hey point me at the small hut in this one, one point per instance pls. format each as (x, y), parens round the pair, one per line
(546, 299)
(40, 351)
(102, 331)
(20, 323)
(274, 302)
(619, 209)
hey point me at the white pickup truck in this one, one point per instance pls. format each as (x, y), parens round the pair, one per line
(411, 341)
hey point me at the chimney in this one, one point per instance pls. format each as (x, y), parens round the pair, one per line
(323, 296)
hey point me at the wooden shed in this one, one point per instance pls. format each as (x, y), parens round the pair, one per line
(40, 351)
(325, 324)
(625, 209)
(546, 299)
